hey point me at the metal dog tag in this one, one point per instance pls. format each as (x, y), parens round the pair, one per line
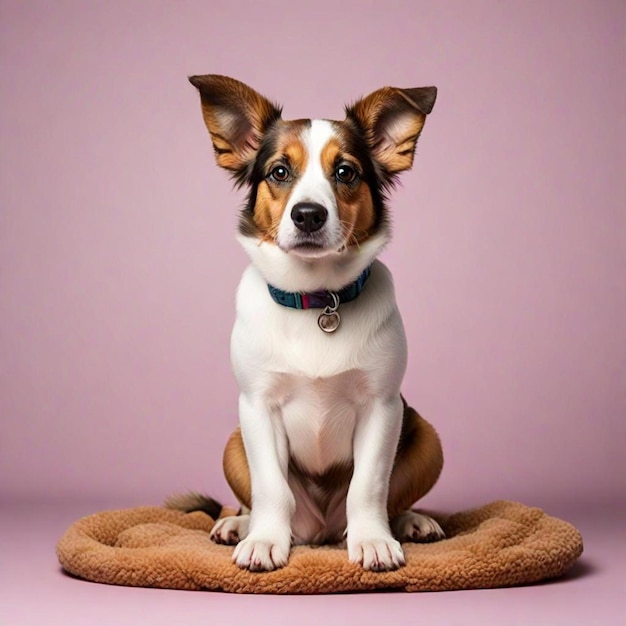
(329, 318)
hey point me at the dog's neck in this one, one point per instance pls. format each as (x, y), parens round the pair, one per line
(291, 273)
(320, 299)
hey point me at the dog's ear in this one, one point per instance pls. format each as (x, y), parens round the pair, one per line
(392, 120)
(236, 116)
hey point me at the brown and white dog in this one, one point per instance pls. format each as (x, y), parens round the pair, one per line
(327, 446)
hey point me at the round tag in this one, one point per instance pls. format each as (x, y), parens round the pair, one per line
(329, 322)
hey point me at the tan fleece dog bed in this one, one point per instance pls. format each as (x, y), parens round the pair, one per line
(497, 545)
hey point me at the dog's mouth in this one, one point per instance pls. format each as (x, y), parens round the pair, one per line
(313, 249)
(309, 249)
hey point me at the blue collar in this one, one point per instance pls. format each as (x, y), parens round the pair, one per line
(320, 299)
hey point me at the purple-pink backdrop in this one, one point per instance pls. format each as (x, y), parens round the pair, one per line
(118, 264)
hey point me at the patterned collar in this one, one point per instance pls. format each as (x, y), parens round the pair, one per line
(320, 299)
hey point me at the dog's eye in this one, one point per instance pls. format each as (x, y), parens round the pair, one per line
(345, 174)
(280, 173)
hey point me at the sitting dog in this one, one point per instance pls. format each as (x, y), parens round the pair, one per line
(327, 447)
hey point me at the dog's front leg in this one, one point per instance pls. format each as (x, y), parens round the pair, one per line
(269, 539)
(370, 542)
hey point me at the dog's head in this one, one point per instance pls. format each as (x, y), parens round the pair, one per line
(317, 187)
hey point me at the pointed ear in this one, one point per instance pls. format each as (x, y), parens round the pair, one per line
(392, 120)
(236, 116)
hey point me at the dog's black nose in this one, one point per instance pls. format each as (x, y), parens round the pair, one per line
(309, 216)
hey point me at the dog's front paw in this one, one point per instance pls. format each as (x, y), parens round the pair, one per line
(230, 530)
(261, 554)
(379, 553)
(412, 526)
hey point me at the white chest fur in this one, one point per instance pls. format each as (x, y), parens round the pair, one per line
(315, 385)
(319, 416)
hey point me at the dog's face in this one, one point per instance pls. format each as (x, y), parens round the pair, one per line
(316, 187)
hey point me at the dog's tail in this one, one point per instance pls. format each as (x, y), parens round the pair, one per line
(194, 501)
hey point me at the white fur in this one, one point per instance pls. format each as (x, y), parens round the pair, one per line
(320, 399)
(324, 399)
(313, 186)
(413, 526)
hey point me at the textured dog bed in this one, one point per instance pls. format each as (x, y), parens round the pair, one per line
(497, 545)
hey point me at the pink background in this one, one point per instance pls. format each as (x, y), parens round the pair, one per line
(119, 266)
(118, 269)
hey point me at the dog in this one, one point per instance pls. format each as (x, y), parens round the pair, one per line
(327, 448)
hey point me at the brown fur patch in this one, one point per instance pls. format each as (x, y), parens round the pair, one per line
(393, 119)
(418, 463)
(236, 468)
(269, 208)
(356, 213)
(293, 149)
(354, 201)
(236, 116)
(272, 197)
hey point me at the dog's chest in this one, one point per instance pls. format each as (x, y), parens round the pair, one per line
(319, 416)
(316, 386)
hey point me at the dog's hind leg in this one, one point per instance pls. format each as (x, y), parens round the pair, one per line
(232, 529)
(416, 527)
(418, 463)
(236, 468)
